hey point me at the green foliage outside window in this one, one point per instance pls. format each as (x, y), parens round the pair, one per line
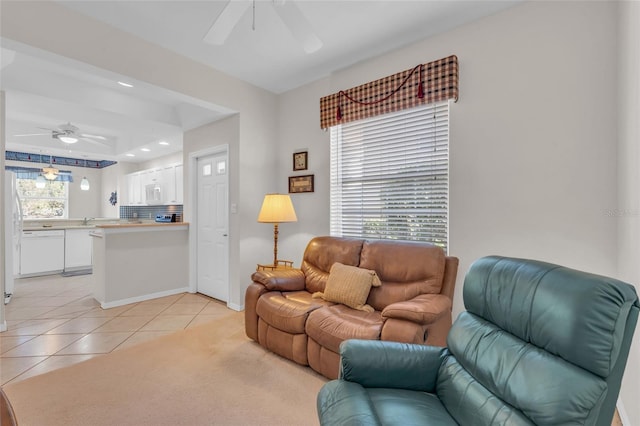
(49, 202)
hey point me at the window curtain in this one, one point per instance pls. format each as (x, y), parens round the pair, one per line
(33, 173)
(425, 83)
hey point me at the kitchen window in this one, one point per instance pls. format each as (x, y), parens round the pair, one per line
(50, 202)
(390, 176)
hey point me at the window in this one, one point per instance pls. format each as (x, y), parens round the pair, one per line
(390, 176)
(50, 202)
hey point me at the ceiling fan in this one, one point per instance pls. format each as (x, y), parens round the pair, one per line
(69, 134)
(288, 12)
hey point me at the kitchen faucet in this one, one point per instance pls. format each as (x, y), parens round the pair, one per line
(86, 220)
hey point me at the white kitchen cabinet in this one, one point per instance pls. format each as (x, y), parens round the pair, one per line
(134, 187)
(168, 179)
(173, 181)
(179, 184)
(41, 252)
(78, 249)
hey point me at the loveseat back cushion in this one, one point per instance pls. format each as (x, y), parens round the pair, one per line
(406, 270)
(492, 373)
(575, 315)
(321, 253)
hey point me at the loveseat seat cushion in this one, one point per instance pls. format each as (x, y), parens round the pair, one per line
(287, 311)
(331, 325)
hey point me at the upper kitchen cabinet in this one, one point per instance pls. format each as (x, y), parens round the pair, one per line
(173, 180)
(179, 184)
(162, 185)
(134, 189)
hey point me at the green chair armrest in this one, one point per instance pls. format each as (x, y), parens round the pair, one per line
(341, 403)
(383, 364)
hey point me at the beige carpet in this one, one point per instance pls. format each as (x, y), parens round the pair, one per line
(210, 374)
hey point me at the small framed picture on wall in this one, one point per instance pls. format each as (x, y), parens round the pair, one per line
(299, 184)
(300, 160)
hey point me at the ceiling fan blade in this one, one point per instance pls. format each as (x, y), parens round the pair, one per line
(94, 142)
(32, 134)
(85, 135)
(226, 21)
(299, 26)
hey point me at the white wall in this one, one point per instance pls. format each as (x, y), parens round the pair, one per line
(628, 207)
(533, 141)
(298, 130)
(113, 179)
(176, 157)
(85, 203)
(533, 168)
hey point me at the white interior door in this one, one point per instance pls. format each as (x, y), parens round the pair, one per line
(213, 227)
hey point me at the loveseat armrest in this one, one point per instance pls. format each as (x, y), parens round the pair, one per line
(424, 309)
(289, 279)
(382, 364)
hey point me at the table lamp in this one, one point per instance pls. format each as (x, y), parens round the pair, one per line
(276, 208)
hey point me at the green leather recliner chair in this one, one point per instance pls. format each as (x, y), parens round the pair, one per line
(538, 344)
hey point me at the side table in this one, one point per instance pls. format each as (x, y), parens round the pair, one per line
(280, 264)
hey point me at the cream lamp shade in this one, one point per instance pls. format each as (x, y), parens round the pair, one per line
(276, 208)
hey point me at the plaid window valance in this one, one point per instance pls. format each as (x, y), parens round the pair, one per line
(426, 83)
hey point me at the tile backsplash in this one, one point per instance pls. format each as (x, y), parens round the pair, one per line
(150, 212)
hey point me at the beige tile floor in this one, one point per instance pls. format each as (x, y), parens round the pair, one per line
(53, 322)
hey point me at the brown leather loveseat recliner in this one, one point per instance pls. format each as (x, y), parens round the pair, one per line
(412, 305)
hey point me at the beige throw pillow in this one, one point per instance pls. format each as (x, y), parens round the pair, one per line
(350, 286)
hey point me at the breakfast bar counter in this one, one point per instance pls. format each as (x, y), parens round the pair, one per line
(133, 262)
(140, 225)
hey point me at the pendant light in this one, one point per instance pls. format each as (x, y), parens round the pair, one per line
(84, 184)
(50, 173)
(40, 182)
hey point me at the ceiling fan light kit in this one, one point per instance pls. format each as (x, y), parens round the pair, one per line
(67, 139)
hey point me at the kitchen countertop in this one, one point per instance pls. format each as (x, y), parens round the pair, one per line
(57, 227)
(140, 225)
(105, 223)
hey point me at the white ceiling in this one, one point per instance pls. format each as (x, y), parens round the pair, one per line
(46, 91)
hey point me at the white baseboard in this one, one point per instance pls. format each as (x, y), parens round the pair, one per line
(623, 414)
(235, 306)
(3, 326)
(142, 298)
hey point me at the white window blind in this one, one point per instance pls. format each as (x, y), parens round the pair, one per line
(390, 176)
